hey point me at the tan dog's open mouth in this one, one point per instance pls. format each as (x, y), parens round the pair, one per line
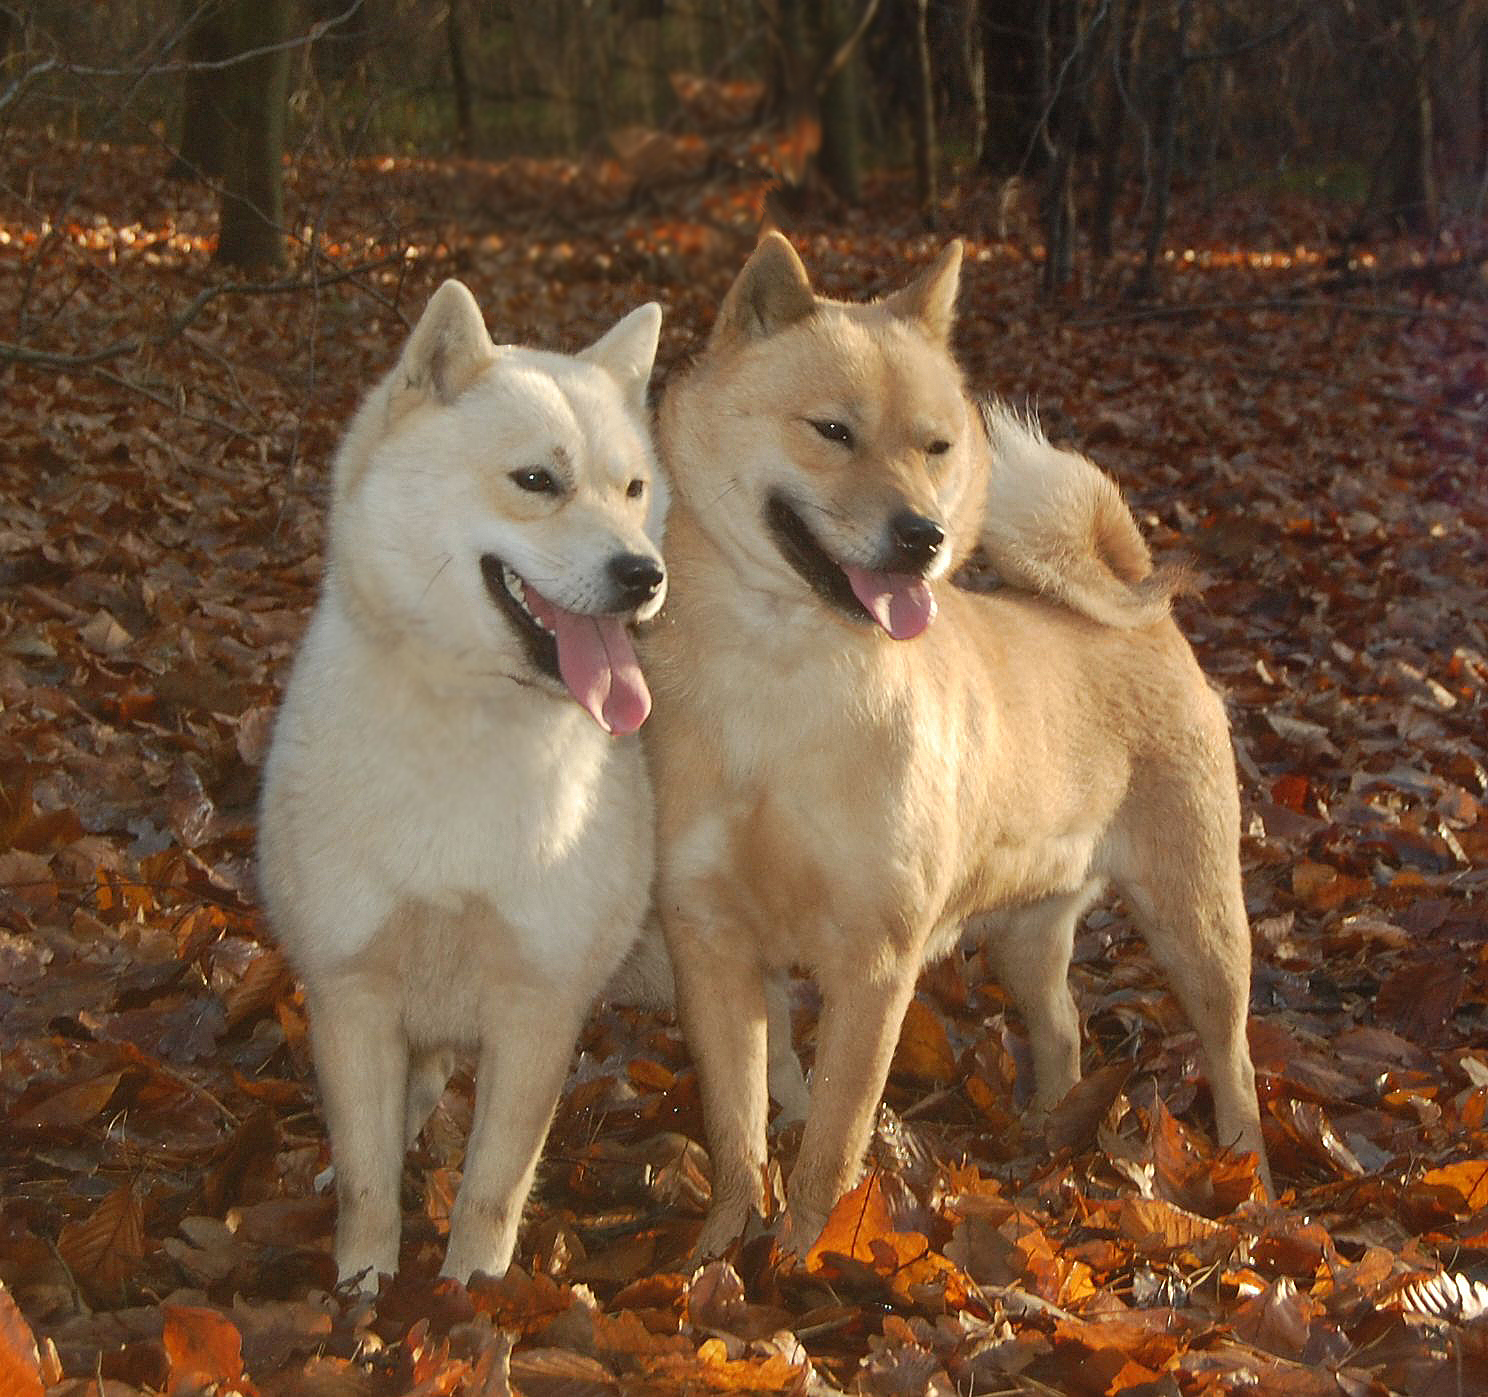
(900, 602)
(592, 656)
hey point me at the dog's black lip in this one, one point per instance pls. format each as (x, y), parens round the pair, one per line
(812, 562)
(542, 649)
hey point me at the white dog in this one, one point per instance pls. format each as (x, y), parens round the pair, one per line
(456, 836)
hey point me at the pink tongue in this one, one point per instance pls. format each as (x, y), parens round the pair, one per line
(900, 602)
(598, 663)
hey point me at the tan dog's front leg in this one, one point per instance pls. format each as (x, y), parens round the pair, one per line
(523, 1060)
(721, 1005)
(861, 1017)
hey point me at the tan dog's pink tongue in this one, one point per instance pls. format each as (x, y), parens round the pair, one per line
(900, 602)
(598, 663)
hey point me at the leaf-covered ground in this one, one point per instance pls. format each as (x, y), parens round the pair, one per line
(1309, 432)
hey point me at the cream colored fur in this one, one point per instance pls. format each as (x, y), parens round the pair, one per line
(838, 801)
(452, 852)
(1055, 524)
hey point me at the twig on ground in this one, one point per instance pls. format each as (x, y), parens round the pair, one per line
(24, 354)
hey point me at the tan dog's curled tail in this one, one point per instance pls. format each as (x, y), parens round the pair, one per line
(1056, 524)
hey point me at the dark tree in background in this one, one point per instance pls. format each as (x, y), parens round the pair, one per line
(252, 93)
(202, 148)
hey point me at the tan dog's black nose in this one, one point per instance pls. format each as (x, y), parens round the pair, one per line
(636, 578)
(916, 540)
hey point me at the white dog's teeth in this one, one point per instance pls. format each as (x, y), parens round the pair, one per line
(517, 589)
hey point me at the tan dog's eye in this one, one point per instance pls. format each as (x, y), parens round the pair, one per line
(834, 431)
(635, 489)
(938, 447)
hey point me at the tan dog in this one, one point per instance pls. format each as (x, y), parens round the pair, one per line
(846, 780)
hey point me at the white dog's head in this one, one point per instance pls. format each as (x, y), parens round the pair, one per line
(501, 507)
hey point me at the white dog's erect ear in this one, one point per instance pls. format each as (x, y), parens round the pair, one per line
(930, 299)
(447, 349)
(627, 350)
(771, 292)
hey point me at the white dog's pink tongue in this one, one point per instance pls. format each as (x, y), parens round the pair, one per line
(598, 663)
(900, 602)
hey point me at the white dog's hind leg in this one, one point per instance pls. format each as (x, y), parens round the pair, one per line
(361, 1061)
(523, 1060)
(428, 1075)
(1030, 948)
(787, 1082)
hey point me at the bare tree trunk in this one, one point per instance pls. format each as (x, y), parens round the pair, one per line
(1413, 190)
(454, 31)
(926, 154)
(841, 158)
(203, 145)
(973, 62)
(1167, 145)
(253, 97)
(1113, 128)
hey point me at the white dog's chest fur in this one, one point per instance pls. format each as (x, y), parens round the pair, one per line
(461, 845)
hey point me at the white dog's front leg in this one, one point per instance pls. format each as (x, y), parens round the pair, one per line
(523, 1060)
(361, 1062)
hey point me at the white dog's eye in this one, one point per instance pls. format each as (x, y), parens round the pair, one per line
(535, 479)
(834, 431)
(938, 447)
(635, 489)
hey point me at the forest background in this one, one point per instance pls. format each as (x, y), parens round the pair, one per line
(1236, 253)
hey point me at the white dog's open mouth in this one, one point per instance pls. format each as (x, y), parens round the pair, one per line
(901, 602)
(592, 656)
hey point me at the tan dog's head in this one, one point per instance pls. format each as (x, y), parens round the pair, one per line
(829, 447)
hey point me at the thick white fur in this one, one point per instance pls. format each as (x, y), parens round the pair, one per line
(1055, 523)
(453, 854)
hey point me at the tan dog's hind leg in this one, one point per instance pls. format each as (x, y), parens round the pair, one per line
(523, 1061)
(1183, 884)
(361, 1061)
(862, 1014)
(721, 1006)
(428, 1075)
(1031, 948)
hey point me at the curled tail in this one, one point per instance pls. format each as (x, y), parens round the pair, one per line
(1055, 523)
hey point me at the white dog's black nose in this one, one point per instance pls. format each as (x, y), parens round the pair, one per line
(916, 539)
(636, 578)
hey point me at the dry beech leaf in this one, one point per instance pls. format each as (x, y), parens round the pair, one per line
(265, 980)
(20, 1363)
(924, 1052)
(1450, 1296)
(104, 1248)
(205, 1351)
(1467, 1180)
(72, 1106)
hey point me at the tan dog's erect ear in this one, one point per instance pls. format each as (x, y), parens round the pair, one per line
(930, 299)
(772, 291)
(627, 350)
(448, 348)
